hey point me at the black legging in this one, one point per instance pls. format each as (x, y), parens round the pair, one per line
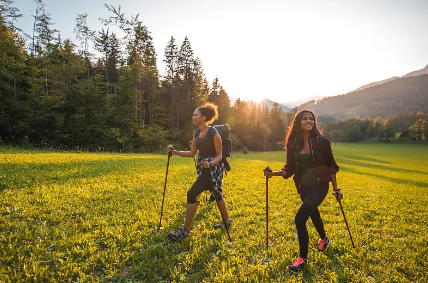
(312, 197)
(201, 184)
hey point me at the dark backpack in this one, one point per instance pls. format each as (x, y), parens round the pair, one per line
(224, 132)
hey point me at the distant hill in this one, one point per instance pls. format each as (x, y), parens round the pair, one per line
(418, 73)
(411, 74)
(382, 98)
(375, 83)
(269, 103)
(294, 103)
(409, 93)
(264, 102)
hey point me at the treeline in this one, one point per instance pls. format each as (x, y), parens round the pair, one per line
(408, 125)
(104, 91)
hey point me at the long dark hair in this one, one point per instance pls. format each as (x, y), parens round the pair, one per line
(295, 133)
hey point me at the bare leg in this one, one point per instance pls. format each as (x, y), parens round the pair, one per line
(223, 209)
(190, 213)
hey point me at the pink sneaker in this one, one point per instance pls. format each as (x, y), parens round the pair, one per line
(323, 244)
(297, 266)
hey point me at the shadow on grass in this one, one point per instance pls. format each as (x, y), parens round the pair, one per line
(423, 185)
(159, 258)
(280, 156)
(17, 176)
(341, 160)
(365, 158)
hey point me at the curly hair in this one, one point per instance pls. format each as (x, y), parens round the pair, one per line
(295, 133)
(210, 111)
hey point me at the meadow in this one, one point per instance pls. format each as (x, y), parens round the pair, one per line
(93, 217)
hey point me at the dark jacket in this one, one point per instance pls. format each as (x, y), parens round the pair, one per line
(324, 165)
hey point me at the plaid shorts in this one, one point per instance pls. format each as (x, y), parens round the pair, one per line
(217, 171)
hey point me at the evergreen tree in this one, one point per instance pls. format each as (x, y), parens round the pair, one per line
(15, 111)
(277, 124)
(239, 123)
(264, 116)
(187, 72)
(85, 36)
(12, 53)
(109, 46)
(171, 81)
(43, 37)
(219, 96)
(214, 94)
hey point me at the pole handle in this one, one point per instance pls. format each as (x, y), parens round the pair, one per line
(269, 170)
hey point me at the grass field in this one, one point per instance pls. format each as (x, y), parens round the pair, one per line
(93, 217)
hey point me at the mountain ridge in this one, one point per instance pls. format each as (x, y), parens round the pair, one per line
(399, 95)
(375, 83)
(418, 72)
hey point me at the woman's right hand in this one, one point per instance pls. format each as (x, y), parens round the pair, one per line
(170, 149)
(267, 171)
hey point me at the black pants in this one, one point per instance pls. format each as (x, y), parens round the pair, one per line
(312, 197)
(202, 183)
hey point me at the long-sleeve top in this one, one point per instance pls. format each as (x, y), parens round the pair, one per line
(324, 164)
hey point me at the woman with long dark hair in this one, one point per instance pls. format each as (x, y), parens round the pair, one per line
(210, 168)
(310, 160)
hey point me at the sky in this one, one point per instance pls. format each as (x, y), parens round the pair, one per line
(283, 50)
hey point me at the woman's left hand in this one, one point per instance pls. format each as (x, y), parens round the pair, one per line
(206, 164)
(338, 195)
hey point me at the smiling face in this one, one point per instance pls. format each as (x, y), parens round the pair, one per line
(197, 118)
(307, 122)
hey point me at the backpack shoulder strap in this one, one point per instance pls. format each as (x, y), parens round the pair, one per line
(321, 144)
(211, 132)
(196, 133)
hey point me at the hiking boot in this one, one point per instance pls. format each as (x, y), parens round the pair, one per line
(323, 244)
(179, 234)
(297, 266)
(220, 224)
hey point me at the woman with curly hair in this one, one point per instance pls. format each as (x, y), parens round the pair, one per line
(210, 167)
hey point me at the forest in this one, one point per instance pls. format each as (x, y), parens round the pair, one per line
(104, 91)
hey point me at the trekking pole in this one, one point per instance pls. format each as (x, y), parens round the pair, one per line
(267, 207)
(164, 188)
(346, 222)
(216, 199)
